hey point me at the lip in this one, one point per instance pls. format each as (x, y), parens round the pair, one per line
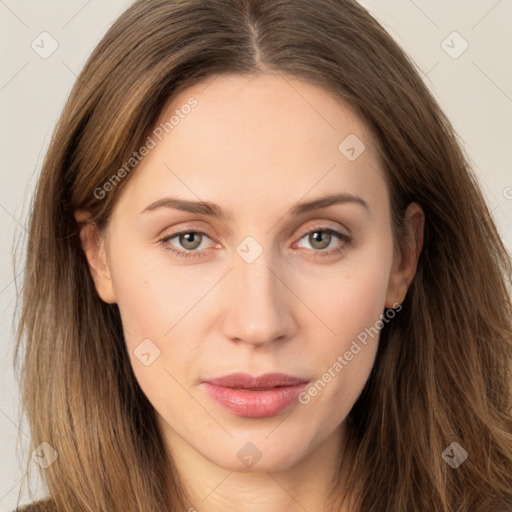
(255, 396)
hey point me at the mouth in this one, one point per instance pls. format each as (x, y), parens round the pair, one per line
(255, 396)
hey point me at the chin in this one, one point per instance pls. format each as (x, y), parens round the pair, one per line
(264, 455)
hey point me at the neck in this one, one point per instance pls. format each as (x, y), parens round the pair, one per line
(306, 485)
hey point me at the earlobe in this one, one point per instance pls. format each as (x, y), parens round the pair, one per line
(93, 245)
(406, 263)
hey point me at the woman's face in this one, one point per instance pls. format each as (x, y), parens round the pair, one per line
(266, 287)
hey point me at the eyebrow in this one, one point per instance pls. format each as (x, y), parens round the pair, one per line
(213, 210)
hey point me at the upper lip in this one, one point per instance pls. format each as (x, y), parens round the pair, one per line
(246, 381)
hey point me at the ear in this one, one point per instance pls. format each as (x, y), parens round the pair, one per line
(93, 245)
(405, 263)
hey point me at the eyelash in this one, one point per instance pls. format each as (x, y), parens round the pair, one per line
(322, 253)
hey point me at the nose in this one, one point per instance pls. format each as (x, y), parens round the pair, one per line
(258, 310)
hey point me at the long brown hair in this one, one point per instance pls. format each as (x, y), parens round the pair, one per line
(444, 364)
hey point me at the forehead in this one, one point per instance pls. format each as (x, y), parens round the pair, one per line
(271, 109)
(266, 137)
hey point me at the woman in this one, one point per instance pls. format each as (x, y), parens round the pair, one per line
(255, 369)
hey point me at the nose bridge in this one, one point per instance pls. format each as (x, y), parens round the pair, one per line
(258, 309)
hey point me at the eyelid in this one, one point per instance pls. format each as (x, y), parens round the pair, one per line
(323, 225)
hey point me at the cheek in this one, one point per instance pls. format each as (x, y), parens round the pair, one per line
(353, 309)
(352, 297)
(156, 303)
(153, 321)
(140, 301)
(355, 318)
(152, 293)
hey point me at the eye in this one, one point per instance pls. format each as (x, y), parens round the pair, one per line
(320, 238)
(189, 240)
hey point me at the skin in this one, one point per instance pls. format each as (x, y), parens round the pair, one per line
(255, 146)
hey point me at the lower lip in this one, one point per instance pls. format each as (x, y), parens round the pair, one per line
(255, 404)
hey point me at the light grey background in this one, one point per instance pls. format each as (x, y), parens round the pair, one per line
(474, 88)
